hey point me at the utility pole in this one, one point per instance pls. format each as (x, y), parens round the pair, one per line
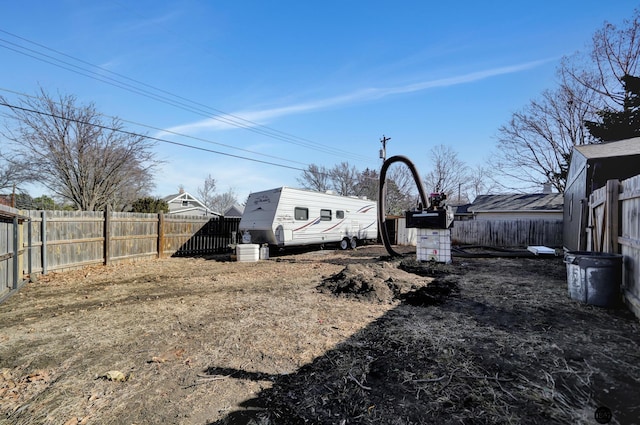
(383, 156)
(383, 151)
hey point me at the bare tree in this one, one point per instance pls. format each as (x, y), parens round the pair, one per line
(223, 201)
(615, 52)
(396, 201)
(344, 179)
(367, 185)
(217, 202)
(401, 176)
(76, 154)
(13, 173)
(480, 183)
(207, 193)
(315, 177)
(535, 146)
(130, 188)
(449, 174)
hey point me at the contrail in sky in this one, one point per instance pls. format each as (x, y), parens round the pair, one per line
(254, 118)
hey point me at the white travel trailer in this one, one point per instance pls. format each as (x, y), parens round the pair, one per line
(285, 217)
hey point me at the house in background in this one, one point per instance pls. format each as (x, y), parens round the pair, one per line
(536, 206)
(184, 203)
(235, 211)
(461, 212)
(590, 166)
(511, 221)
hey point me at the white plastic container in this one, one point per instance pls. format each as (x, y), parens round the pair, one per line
(247, 252)
(434, 245)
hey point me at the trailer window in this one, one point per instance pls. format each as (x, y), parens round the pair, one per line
(325, 215)
(339, 214)
(301, 213)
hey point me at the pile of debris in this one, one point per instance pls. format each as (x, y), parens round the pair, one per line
(389, 282)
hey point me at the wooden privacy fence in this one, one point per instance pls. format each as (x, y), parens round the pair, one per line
(614, 227)
(507, 233)
(10, 250)
(37, 242)
(210, 237)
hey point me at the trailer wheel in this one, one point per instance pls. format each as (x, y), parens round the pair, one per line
(353, 243)
(344, 244)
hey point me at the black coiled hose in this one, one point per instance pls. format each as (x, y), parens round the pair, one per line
(382, 207)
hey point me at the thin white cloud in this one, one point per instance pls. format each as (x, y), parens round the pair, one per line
(259, 117)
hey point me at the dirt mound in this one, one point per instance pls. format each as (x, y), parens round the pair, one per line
(387, 282)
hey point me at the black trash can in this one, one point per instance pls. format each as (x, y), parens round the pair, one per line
(594, 277)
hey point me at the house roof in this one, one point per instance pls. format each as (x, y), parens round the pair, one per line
(518, 203)
(236, 210)
(194, 204)
(461, 209)
(625, 147)
(182, 196)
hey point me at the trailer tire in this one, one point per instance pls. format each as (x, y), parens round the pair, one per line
(344, 244)
(353, 242)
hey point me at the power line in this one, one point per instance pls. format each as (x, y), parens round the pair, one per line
(131, 133)
(199, 109)
(174, 132)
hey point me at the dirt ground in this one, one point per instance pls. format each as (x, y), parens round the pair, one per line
(316, 337)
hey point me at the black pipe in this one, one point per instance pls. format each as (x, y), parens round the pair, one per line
(382, 226)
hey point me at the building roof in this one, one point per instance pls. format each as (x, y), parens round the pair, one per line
(461, 209)
(235, 210)
(550, 202)
(181, 196)
(625, 147)
(193, 204)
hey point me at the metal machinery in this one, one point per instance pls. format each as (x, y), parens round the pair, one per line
(433, 223)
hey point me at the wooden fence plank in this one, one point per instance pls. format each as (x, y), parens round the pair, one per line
(6, 257)
(630, 241)
(615, 227)
(12, 255)
(611, 204)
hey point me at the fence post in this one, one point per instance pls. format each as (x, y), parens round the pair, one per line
(160, 234)
(30, 248)
(107, 235)
(611, 216)
(16, 252)
(43, 236)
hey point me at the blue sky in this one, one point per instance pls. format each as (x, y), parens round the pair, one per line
(296, 82)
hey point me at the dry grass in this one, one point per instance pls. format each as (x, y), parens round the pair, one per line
(204, 341)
